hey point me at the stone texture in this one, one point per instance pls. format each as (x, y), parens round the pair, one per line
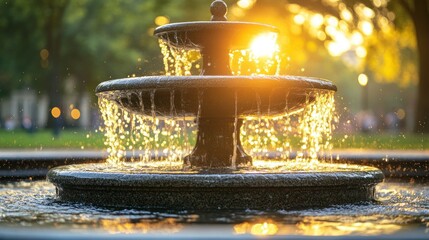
(175, 190)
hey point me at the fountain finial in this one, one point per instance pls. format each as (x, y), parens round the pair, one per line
(218, 10)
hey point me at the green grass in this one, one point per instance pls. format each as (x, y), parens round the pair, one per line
(80, 139)
(44, 139)
(382, 141)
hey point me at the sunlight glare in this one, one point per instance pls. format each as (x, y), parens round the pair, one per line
(331, 21)
(363, 79)
(264, 229)
(299, 19)
(264, 45)
(346, 15)
(333, 48)
(246, 4)
(368, 12)
(366, 27)
(316, 20)
(357, 38)
(361, 52)
(293, 8)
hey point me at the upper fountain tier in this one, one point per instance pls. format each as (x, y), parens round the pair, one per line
(219, 93)
(212, 34)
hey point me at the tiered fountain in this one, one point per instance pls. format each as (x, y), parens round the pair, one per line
(218, 173)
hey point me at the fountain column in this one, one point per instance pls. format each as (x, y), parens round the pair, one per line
(216, 145)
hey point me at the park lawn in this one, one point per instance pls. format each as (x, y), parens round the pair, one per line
(44, 139)
(81, 139)
(393, 141)
(387, 141)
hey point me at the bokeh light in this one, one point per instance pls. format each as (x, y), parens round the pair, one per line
(299, 19)
(316, 20)
(44, 54)
(246, 4)
(400, 113)
(56, 112)
(161, 20)
(363, 79)
(75, 113)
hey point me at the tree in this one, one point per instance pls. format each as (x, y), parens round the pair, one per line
(93, 40)
(19, 46)
(89, 41)
(418, 11)
(53, 11)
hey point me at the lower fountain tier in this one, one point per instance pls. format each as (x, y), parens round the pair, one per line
(86, 183)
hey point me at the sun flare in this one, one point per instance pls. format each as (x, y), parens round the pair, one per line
(264, 45)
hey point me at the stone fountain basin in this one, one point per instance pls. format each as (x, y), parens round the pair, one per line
(102, 184)
(200, 34)
(214, 96)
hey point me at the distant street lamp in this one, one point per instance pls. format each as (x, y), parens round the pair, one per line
(363, 81)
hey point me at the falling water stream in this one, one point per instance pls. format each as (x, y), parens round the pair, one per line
(169, 138)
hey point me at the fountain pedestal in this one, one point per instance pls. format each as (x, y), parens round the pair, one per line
(216, 145)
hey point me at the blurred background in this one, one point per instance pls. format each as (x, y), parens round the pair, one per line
(55, 52)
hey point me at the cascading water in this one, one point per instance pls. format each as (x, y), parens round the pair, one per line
(312, 125)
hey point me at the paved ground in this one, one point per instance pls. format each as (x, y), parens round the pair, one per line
(20, 163)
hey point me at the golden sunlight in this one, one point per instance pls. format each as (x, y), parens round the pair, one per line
(366, 27)
(246, 4)
(316, 20)
(346, 15)
(363, 79)
(264, 229)
(264, 45)
(361, 52)
(357, 38)
(299, 19)
(161, 20)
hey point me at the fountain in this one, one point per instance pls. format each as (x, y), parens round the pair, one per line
(217, 173)
(217, 197)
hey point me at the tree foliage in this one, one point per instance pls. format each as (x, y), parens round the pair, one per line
(99, 40)
(45, 42)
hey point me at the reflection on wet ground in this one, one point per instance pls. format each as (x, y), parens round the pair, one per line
(400, 207)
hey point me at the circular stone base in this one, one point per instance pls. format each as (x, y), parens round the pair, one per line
(96, 184)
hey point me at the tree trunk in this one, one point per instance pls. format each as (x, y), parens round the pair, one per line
(53, 32)
(421, 23)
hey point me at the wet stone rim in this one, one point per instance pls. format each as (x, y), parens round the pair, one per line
(198, 26)
(195, 82)
(81, 175)
(214, 191)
